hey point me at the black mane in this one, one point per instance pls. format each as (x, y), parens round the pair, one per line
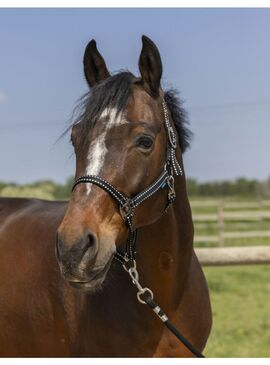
(115, 92)
(179, 117)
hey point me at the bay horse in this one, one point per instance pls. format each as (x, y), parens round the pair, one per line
(69, 296)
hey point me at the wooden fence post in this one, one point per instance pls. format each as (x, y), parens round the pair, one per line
(220, 223)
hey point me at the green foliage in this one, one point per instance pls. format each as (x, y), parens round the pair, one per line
(240, 187)
(27, 192)
(45, 189)
(62, 192)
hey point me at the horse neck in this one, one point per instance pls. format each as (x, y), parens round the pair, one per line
(165, 249)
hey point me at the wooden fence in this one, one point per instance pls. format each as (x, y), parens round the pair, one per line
(219, 256)
(231, 212)
(237, 213)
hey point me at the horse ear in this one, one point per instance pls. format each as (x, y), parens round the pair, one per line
(95, 68)
(150, 66)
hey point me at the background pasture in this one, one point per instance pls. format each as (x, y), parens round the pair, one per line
(219, 60)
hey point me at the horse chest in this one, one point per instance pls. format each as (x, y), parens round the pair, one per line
(116, 333)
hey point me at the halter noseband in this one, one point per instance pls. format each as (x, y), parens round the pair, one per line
(127, 205)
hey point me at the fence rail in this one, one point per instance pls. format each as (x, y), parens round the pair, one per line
(232, 235)
(219, 256)
(232, 216)
(231, 204)
(224, 212)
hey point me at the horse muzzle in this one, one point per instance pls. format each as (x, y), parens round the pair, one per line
(82, 264)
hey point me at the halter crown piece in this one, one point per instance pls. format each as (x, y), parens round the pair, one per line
(128, 205)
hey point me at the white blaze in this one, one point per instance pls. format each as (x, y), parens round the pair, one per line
(97, 149)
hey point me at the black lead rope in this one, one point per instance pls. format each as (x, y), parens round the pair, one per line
(159, 312)
(146, 296)
(127, 206)
(181, 338)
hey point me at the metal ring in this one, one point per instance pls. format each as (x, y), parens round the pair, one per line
(128, 261)
(134, 274)
(170, 182)
(126, 209)
(144, 290)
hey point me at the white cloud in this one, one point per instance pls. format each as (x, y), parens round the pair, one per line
(3, 97)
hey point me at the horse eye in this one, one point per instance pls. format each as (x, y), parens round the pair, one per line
(144, 142)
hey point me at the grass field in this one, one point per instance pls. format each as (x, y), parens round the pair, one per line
(240, 299)
(240, 295)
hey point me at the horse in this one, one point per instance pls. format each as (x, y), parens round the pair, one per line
(62, 290)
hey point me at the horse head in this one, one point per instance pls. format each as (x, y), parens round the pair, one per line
(120, 137)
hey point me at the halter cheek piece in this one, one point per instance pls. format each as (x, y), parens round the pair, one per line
(128, 205)
(127, 208)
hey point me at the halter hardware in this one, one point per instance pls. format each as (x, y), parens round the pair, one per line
(171, 193)
(127, 210)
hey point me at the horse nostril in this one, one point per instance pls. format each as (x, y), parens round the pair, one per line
(89, 244)
(91, 240)
(72, 253)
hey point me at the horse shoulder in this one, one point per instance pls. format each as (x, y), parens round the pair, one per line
(193, 316)
(30, 283)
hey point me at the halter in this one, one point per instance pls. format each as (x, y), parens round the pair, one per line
(127, 208)
(128, 205)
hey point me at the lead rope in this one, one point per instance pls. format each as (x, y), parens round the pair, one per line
(146, 296)
(127, 207)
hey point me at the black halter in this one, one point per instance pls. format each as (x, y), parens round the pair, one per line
(127, 208)
(128, 205)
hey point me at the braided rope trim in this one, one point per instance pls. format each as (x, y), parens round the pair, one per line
(152, 189)
(103, 184)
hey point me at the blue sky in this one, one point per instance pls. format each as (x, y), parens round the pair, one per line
(218, 58)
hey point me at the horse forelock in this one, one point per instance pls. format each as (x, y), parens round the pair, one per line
(112, 95)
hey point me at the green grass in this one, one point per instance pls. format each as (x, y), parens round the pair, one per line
(240, 295)
(240, 299)
(247, 226)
